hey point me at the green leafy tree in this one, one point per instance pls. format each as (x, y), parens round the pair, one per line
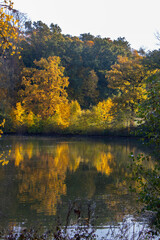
(88, 93)
(149, 111)
(152, 60)
(147, 185)
(41, 41)
(90, 88)
(148, 180)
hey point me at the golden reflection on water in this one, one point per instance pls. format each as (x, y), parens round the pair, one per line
(42, 182)
(42, 173)
(42, 170)
(103, 163)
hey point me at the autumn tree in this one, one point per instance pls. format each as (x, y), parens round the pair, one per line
(8, 25)
(104, 111)
(9, 30)
(75, 110)
(127, 77)
(8, 34)
(11, 24)
(45, 88)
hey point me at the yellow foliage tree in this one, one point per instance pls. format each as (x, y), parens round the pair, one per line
(3, 155)
(8, 30)
(127, 76)
(63, 115)
(8, 25)
(8, 34)
(75, 111)
(1, 126)
(18, 115)
(45, 90)
(104, 110)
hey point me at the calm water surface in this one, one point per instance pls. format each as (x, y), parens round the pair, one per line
(45, 174)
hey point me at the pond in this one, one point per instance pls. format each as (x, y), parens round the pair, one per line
(47, 175)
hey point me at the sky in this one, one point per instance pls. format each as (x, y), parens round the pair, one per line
(136, 20)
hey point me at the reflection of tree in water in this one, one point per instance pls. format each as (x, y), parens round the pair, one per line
(104, 162)
(42, 173)
(46, 172)
(42, 178)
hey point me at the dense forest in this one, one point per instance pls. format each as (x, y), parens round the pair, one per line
(56, 83)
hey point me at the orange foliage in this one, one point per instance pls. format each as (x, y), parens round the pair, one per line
(89, 43)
